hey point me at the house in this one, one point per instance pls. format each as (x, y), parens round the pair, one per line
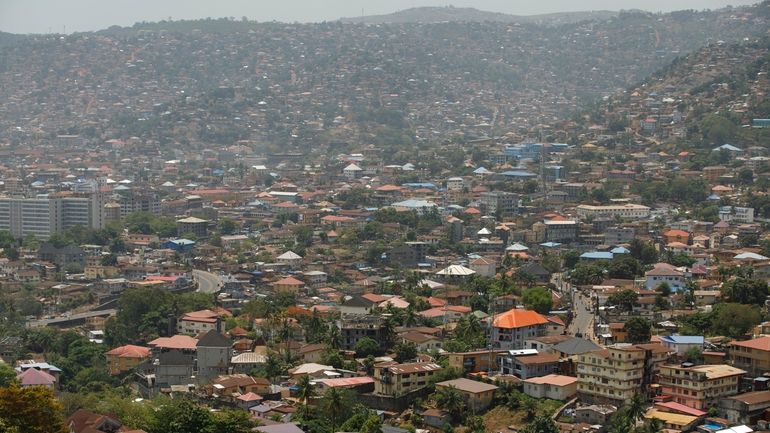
(478, 395)
(664, 272)
(312, 352)
(483, 267)
(512, 328)
(595, 414)
(248, 400)
(35, 377)
(537, 271)
(247, 361)
(40, 366)
(288, 285)
(700, 386)
(676, 235)
(393, 379)
(197, 322)
(474, 361)
(671, 420)
(424, 343)
(751, 355)
(214, 351)
(290, 259)
(682, 343)
(746, 408)
(85, 421)
(125, 358)
(553, 386)
(436, 418)
(527, 363)
(172, 363)
(360, 384)
(238, 384)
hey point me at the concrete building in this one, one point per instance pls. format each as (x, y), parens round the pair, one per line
(553, 386)
(355, 327)
(699, 386)
(625, 211)
(751, 355)
(499, 202)
(125, 358)
(615, 374)
(196, 226)
(393, 379)
(478, 395)
(42, 217)
(512, 328)
(214, 352)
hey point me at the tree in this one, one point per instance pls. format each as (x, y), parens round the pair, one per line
(745, 291)
(585, 274)
(31, 410)
(373, 424)
(538, 299)
(7, 375)
(624, 266)
(449, 399)
(335, 403)
(405, 351)
(231, 421)
(693, 354)
(625, 300)
(474, 424)
(664, 289)
(635, 406)
(367, 346)
(305, 391)
(180, 415)
(734, 320)
(643, 251)
(541, 424)
(227, 226)
(639, 330)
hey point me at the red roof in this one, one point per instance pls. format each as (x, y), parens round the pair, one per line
(671, 406)
(761, 343)
(130, 351)
(517, 318)
(175, 342)
(289, 281)
(676, 233)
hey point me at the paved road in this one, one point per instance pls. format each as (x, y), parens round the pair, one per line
(583, 322)
(207, 282)
(70, 318)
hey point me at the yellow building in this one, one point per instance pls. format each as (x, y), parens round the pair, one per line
(675, 421)
(395, 379)
(700, 386)
(475, 361)
(100, 272)
(477, 395)
(752, 355)
(613, 375)
(125, 358)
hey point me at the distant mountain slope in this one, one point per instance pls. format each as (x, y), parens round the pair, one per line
(9, 38)
(455, 14)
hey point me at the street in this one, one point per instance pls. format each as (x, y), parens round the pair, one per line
(583, 320)
(207, 282)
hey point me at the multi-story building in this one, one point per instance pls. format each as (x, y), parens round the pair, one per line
(393, 379)
(499, 203)
(699, 386)
(43, 216)
(512, 328)
(561, 231)
(196, 226)
(615, 374)
(751, 355)
(124, 358)
(625, 211)
(355, 327)
(474, 361)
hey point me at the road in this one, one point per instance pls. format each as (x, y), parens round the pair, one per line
(71, 318)
(583, 322)
(207, 282)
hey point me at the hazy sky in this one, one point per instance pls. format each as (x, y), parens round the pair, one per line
(43, 16)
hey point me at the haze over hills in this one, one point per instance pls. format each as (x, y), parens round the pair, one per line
(464, 14)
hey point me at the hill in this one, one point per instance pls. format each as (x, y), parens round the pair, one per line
(456, 14)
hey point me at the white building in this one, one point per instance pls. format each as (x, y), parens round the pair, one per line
(626, 211)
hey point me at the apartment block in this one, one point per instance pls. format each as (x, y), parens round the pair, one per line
(700, 386)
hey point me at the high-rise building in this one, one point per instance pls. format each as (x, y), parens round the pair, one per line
(43, 216)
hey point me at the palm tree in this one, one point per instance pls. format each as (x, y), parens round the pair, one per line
(334, 404)
(306, 391)
(635, 407)
(333, 338)
(449, 399)
(654, 425)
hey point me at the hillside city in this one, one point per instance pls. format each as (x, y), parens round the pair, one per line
(391, 225)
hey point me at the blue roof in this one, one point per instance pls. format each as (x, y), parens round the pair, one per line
(620, 250)
(597, 255)
(683, 339)
(518, 173)
(182, 242)
(714, 197)
(419, 185)
(550, 244)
